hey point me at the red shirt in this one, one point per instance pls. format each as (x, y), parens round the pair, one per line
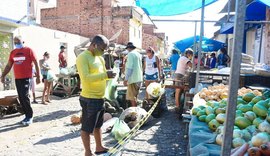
(62, 60)
(22, 62)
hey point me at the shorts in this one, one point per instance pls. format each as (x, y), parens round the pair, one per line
(180, 79)
(92, 113)
(151, 77)
(132, 91)
(44, 77)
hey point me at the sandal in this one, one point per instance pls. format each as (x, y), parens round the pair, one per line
(44, 103)
(102, 152)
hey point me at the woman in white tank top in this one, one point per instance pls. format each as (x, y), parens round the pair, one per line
(151, 68)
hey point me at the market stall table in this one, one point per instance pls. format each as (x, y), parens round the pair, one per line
(245, 80)
(67, 85)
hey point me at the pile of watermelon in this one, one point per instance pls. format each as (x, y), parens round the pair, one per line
(252, 121)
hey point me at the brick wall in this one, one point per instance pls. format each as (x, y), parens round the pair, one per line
(148, 29)
(267, 39)
(150, 40)
(88, 18)
(80, 17)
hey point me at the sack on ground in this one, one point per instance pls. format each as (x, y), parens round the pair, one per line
(132, 116)
(63, 71)
(51, 76)
(120, 129)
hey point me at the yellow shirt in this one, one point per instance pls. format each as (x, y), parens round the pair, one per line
(93, 75)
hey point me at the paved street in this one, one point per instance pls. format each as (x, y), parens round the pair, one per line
(52, 133)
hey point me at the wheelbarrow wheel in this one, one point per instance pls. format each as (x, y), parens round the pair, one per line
(3, 111)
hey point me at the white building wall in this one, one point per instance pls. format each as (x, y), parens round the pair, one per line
(135, 33)
(43, 39)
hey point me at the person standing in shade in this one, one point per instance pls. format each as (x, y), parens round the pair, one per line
(93, 75)
(223, 58)
(152, 69)
(180, 74)
(133, 73)
(213, 61)
(62, 57)
(173, 61)
(21, 60)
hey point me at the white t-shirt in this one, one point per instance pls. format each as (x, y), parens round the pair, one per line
(150, 69)
(182, 65)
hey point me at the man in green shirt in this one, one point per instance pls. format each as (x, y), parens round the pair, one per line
(93, 75)
(133, 73)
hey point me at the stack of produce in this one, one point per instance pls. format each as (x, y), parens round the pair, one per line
(220, 92)
(252, 122)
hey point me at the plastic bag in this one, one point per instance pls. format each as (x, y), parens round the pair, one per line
(51, 76)
(154, 89)
(120, 129)
(63, 71)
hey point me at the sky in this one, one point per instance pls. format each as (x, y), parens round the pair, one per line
(180, 30)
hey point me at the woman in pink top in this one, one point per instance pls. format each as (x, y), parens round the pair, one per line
(182, 66)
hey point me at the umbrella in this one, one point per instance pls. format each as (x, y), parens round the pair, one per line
(208, 45)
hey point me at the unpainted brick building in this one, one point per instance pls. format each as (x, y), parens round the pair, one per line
(88, 18)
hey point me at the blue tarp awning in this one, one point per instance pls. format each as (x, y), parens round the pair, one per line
(255, 11)
(170, 7)
(208, 45)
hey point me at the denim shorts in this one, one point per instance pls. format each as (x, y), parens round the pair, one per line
(92, 113)
(151, 77)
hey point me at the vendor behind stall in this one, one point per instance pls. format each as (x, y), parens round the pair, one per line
(180, 75)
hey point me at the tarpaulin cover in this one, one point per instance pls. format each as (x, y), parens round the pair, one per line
(255, 11)
(202, 139)
(170, 7)
(208, 45)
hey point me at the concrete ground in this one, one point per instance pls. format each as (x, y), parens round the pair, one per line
(52, 133)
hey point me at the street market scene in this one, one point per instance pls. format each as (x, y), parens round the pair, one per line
(135, 77)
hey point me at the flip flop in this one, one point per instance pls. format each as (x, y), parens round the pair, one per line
(101, 152)
(44, 103)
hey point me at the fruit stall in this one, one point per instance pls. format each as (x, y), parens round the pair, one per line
(251, 133)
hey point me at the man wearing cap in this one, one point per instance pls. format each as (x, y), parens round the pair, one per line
(133, 73)
(21, 59)
(62, 57)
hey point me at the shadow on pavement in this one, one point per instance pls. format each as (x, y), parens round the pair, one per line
(54, 115)
(10, 127)
(58, 139)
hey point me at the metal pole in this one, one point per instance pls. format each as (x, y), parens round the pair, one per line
(234, 75)
(229, 10)
(200, 47)
(260, 49)
(194, 45)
